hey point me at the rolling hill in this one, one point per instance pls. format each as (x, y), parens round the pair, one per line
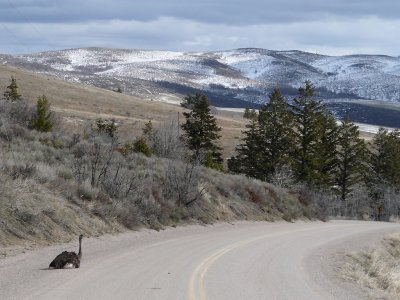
(234, 78)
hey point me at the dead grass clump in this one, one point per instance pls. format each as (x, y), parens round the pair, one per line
(378, 269)
(45, 173)
(64, 172)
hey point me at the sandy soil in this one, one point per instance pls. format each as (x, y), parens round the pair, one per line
(244, 260)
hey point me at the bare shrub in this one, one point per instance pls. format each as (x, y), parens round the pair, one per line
(167, 141)
(182, 183)
(93, 159)
(18, 112)
(385, 204)
(283, 177)
(81, 161)
(99, 158)
(10, 131)
(391, 203)
(357, 204)
(123, 211)
(86, 191)
(45, 172)
(150, 209)
(317, 203)
(124, 179)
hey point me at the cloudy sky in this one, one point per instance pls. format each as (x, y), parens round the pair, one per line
(333, 27)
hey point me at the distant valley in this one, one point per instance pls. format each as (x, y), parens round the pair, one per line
(367, 87)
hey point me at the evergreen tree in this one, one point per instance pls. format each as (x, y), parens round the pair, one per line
(11, 94)
(352, 155)
(385, 159)
(210, 162)
(108, 127)
(140, 146)
(149, 134)
(190, 100)
(249, 158)
(276, 129)
(267, 140)
(307, 113)
(42, 121)
(201, 129)
(326, 154)
(250, 113)
(148, 129)
(246, 113)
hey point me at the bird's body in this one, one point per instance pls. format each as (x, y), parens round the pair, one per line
(68, 260)
(65, 260)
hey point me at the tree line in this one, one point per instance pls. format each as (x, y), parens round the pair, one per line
(304, 138)
(300, 142)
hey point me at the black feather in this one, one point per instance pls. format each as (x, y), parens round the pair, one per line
(67, 258)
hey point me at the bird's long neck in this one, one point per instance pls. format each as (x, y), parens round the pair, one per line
(80, 249)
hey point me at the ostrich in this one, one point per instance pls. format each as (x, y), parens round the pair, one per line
(68, 260)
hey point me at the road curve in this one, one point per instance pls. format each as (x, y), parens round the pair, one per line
(226, 261)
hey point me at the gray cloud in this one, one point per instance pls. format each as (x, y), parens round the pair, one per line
(330, 27)
(246, 12)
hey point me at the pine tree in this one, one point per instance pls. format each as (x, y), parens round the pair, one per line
(11, 94)
(149, 134)
(276, 129)
(307, 113)
(140, 146)
(190, 100)
(326, 154)
(148, 129)
(201, 129)
(108, 127)
(267, 140)
(352, 156)
(250, 113)
(249, 154)
(42, 121)
(385, 159)
(246, 113)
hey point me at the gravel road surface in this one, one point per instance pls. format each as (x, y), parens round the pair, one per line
(243, 260)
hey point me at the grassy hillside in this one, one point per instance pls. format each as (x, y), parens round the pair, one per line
(56, 185)
(78, 103)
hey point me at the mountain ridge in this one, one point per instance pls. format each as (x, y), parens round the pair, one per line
(232, 78)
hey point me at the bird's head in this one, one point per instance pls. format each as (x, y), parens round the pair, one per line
(81, 237)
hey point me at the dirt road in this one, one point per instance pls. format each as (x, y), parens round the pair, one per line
(225, 261)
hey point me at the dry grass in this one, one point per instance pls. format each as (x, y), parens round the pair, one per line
(378, 269)
(35, 214)
(79, 104)
(41, 202)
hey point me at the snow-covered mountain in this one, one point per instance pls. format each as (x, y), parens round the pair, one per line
(229, 77)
